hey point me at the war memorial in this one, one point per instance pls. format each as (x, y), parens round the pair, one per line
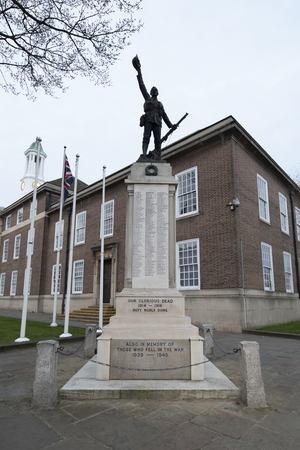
(150, 345)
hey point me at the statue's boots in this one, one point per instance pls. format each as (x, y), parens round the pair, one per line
(145, 148)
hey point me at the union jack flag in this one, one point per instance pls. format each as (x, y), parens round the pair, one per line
(68, 179)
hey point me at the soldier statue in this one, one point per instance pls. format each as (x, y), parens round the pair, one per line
(151, 120)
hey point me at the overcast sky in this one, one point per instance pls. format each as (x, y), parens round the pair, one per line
(210, 58)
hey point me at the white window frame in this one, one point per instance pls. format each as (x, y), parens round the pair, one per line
(20, 216)
(288, 272)
(29, 281)
(80, 228)
(263, 199)
(297, 213)
(53, 279)
(78, 273)
(109, 211)
(267, 266)
(187, 195)
(188, 270)
(5, 250)
(8, 222)
(17, 246)
(284, 220)
(56, 235)
(32, 247)
(13, 282)
(2, 283)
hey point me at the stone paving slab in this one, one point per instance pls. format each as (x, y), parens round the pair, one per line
(25, 431)
(261, 438)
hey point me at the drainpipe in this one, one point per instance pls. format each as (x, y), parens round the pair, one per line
(295, 242)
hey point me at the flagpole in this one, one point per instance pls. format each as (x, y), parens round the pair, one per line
(22, 337)
(54, 324)
(102, 253)
(70, 270)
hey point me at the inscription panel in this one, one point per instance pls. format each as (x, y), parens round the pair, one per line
(147, 306)
(157, 355)
(150, 237)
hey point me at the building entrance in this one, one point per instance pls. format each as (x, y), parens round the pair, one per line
(107, 281)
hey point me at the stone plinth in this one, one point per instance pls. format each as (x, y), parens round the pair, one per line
(150, 337)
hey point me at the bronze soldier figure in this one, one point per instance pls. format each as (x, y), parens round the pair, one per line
(153, 114)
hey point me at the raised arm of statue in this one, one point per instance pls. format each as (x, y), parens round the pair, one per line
(137, 65)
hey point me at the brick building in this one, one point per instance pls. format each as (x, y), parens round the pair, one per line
(238, 235)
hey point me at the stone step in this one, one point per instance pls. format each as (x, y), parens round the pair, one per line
(90, 314)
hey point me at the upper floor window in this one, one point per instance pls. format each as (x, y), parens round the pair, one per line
(53, 281)
(8, 222)
(20, 216)
(17, 246)
(77, 287)
(267, 263)
(80, 228)
(13, 282)
(298, 222)
(59, 229)
(109, 218)
(188, 264)
(187, 192)
(2, 283)
(5, 250)
(287, 261)
(284, 222)
(263, 199)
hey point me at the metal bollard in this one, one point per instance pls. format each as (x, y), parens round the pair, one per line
(45, 383)
(208, 348)
(252, 390)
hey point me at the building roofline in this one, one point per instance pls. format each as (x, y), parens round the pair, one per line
(219, 130)
(227, 126)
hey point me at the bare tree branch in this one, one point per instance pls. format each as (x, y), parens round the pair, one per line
(44, 42)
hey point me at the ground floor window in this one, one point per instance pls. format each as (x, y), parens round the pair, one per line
(287, 260)
(2, 283)
(77, 287)
(53, 280)
(13, 282)
(267, 263)
(188, 264)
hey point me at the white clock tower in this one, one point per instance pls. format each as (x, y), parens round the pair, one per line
(27, 181)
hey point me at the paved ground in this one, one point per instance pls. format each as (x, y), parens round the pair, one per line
(154, 424)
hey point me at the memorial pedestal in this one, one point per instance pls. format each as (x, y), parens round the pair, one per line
(150, 337)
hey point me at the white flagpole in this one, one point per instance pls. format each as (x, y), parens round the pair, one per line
(22, 337)
(102, 253)
(54, 324)
(70, 268)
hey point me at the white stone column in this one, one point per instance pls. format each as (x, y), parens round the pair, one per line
(197, 371)
(172, 237)
(102, 372)
(129, 237)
